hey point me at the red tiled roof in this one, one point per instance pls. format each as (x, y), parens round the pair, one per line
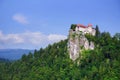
(80, 25)
(89, 25)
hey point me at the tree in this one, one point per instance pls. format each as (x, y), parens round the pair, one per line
(97, 31)
(117, 36)
(24, 57)
(73, 26)
(36, 54)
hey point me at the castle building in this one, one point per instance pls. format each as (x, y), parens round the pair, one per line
(85, 29)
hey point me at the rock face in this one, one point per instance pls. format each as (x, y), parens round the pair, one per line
(77, 41)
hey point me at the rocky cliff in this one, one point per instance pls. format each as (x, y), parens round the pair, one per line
(78, 42)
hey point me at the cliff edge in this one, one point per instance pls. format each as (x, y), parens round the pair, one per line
(77, 40)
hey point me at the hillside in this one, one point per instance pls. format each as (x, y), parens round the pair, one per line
(13, 54)
(53, 62)
(3, 60)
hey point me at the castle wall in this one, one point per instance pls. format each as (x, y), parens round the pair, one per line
(86, 30)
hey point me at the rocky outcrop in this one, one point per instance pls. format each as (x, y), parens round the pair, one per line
(78, 42)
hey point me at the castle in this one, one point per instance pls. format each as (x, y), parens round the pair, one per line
(85, 29)
(77, 40)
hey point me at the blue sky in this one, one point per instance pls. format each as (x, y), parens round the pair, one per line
(36, 23)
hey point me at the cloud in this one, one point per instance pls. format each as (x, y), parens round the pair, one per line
(28, 40)
(20, 18)
(56, 37)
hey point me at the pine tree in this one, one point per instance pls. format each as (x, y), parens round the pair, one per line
(97, 31)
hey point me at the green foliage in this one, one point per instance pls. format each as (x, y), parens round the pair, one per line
(97, 31)
(73, 26)
(90, 37)
(73, 35)
(117, 36)
(53, 63)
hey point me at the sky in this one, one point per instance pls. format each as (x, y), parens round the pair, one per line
(32, 24)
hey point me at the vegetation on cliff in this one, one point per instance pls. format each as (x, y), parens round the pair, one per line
(73, 26)
(53, 62)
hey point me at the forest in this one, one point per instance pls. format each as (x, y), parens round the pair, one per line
(53, 62)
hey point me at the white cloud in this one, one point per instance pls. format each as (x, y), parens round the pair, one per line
(56, 37)
(28, 39)
(20, 18)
